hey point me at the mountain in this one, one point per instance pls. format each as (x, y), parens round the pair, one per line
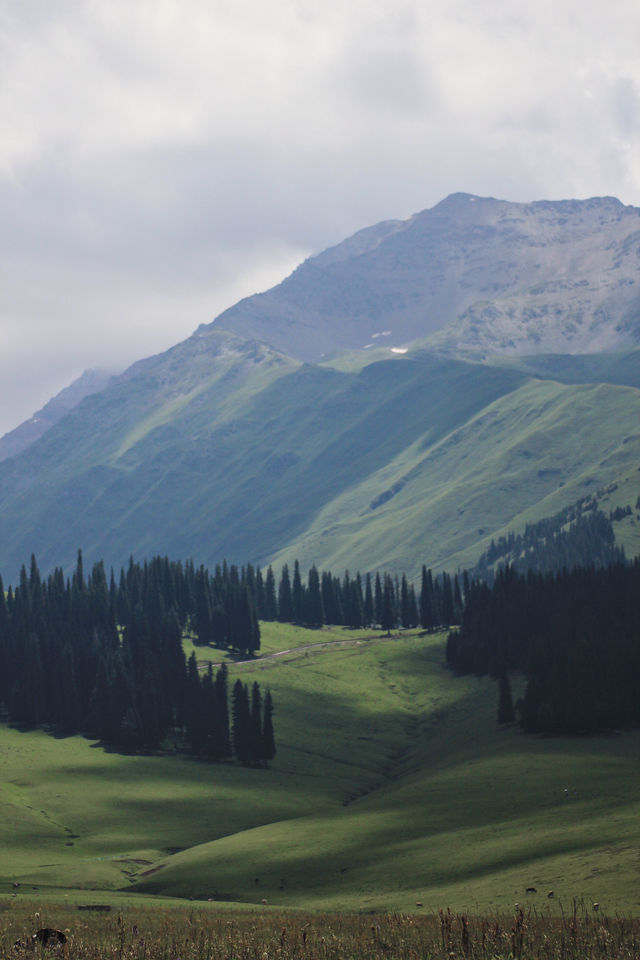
(17, 440)
(475, 274)
(232, 444)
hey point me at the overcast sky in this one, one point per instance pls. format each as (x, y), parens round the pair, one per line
(159, 159)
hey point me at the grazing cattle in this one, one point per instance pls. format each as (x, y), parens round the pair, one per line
(531, 890)
(551, 894)
(419, 903)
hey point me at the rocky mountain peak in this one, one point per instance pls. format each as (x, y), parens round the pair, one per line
(474, 274)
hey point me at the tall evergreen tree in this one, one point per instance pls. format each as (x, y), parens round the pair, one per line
(388, 616)
(297, 595)
(268, 740)
(378, 599)
(285, 600)
(270, 602)
(368, 611)
(241, 724)
(314, 616)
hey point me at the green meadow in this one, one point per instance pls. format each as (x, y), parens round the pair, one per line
(392, 786)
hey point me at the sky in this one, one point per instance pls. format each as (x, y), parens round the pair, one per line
(159, 160)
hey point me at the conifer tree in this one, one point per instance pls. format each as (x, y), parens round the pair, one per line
(388, 616)
(223, 709)
(368, 611)
(241, 724)
(314, 616)
(259, 595)
(268, 741)
(378, 598)
(285, 601)
(297, 594)
(270, 602)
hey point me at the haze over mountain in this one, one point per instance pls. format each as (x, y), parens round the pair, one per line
(233, 444)
(17, 440)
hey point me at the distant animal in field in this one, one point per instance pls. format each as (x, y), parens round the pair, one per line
(531, 890)
(551, 894)
(46, 936)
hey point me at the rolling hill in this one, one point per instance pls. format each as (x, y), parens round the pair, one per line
(392, 785)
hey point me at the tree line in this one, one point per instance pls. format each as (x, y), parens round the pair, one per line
(105, 657)
(579, 535)
(573, 634)
(356, 601)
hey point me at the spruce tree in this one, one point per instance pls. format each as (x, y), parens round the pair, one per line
(270, 602)
(241, 724)
(268, 741)
(388, 615)
(314, 616)
(368, 612)
(378, 598)
(297, 595)
(223, 708)
(285, 601)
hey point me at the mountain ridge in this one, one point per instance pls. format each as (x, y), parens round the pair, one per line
(228, 446)
(90, 381)
(476, 274)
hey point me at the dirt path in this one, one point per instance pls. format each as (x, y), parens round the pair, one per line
(350, 642)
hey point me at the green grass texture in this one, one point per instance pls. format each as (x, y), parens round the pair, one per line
(392, 786)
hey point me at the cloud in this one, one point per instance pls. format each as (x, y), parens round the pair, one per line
(161, 159)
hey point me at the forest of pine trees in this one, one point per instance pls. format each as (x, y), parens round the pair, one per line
(574, 635)
(379, 600)
(579, 535)
(104, 655)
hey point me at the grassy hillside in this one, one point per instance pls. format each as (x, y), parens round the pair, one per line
(223, 448)
(391, 785)
(209, 469)
(520, 458)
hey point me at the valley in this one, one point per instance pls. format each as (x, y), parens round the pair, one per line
(406, 399)
(392, 784)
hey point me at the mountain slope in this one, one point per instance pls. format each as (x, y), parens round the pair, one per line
(234, 468)
(477, 274)
(519, 459)
(17, 440)
(225, 446)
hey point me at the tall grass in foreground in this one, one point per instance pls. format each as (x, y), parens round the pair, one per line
(201, 935)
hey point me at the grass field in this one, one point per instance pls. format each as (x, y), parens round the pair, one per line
(142, 933)
(392, 786)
